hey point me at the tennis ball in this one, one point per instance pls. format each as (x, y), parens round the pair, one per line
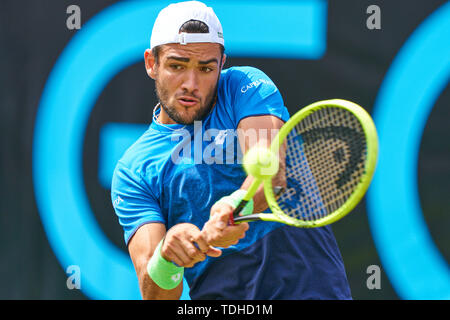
(260, 162)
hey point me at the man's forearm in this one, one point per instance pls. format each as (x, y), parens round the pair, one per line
(151, 291)
(142, 246)
(279, 180)
(267, 128)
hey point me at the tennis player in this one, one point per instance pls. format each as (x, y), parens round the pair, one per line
(175, 188)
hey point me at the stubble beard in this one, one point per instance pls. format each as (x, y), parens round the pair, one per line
(199, 114)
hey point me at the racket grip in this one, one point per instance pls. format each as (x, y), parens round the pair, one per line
(239, 208)
(278, 190)
(236, 211)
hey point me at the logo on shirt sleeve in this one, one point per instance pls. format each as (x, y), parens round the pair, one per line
(256, 83)
(117, 201)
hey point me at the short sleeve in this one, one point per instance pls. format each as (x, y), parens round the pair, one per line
(134, 203)
(256, 94)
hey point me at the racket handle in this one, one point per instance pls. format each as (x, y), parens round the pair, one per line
(239, 208)
(247, 218)
(278, 190)
(236, 211)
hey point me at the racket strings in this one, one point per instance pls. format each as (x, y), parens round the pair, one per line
(325, 159)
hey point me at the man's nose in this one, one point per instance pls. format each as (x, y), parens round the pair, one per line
(190, 81)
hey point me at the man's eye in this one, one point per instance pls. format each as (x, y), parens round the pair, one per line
(206, 69)
(176, 66)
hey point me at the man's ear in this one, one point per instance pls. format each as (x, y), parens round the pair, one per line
(224, 58)
(150, 63)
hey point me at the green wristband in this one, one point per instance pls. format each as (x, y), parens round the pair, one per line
(164, 273)
(235, 198)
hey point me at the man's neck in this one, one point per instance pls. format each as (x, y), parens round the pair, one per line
(164, 118)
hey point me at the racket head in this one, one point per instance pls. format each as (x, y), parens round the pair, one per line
(331, 155)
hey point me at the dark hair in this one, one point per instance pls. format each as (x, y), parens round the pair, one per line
(191, 26)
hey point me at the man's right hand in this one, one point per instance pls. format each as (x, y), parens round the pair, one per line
(217, 230)
(185, 245)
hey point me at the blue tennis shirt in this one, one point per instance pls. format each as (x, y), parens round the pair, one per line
(174, 174)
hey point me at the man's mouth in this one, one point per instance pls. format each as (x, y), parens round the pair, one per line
(187, 101)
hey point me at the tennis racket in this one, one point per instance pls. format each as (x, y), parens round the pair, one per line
(331, 154)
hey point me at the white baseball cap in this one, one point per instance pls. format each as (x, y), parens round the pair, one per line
(169, 21)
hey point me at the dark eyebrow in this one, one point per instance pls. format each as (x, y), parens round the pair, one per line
(187, 60)
(209, 61)
(178, 58)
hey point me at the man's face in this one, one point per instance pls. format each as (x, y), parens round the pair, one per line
(186, 79)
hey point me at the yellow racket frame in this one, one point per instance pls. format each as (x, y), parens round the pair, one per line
(277, 214)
